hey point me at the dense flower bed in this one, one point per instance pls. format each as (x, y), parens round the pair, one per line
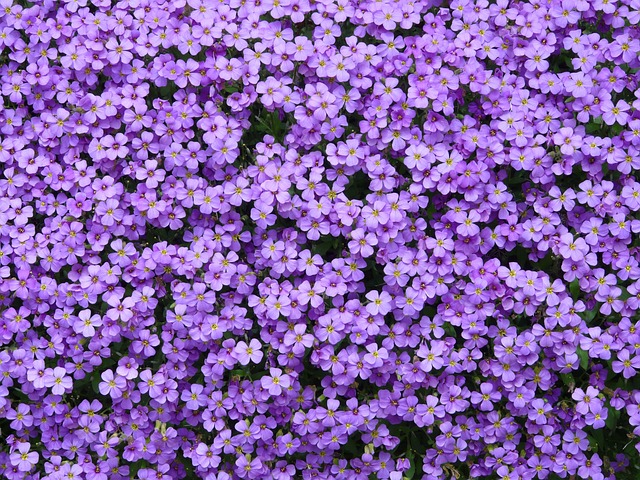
(333, 239)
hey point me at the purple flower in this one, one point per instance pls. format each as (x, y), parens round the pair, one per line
(24, 459)
(626, 364)
(86, 324)
(379, 303)
(591, 468)
(538, 410)
(275, 381)
(206, 457)
(57, 379)
(433, 356)
(111, 384)
(264, 230)
(246, 353)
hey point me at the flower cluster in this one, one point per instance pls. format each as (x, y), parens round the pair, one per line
(319, 239)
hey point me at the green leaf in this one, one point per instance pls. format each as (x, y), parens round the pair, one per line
(584, 358)
(589, 315)
(612, 419)
(574, 288)
(231, 88)
(412, 470)
(322, 247)
(568, 380)
(135, 467)
(95, 381)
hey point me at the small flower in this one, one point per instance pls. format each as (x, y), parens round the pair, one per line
(112, 385)
(275, 381)
(57, 379)
(379, 302)
(24, 459)
(248, 353)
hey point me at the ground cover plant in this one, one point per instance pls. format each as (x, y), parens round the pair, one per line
(319, 239)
